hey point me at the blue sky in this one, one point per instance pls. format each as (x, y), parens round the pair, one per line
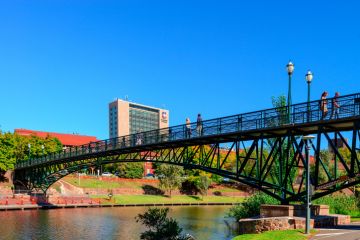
(62, 62)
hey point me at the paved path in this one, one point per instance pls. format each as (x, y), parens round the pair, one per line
(69, 189)
(345, 232)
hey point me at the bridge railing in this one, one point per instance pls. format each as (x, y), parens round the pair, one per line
(301, 113)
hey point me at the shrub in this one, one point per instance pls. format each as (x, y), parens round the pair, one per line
(160, 226)
(341, 204)
(189, 186)
(203, 184)
(251, 206)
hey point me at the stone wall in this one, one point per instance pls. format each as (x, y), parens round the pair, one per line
(283, 217)
(258, 225)
(276, 211)
(332, 220)
(292, 210)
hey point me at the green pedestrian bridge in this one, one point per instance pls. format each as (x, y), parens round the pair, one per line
(262, 149)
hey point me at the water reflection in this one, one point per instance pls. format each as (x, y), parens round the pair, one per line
(203, 222)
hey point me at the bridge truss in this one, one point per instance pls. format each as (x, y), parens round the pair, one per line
(262, 149)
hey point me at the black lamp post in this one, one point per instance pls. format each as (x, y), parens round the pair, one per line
(290, 69)
(308, 203)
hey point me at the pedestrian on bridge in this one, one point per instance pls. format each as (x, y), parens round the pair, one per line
(188, 128)
(323, 105)
(139, 137)
(335, 106)
(199, 125)
(123, 142)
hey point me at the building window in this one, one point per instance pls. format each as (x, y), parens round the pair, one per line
(143, 119)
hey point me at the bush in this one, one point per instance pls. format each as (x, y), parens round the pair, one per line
(251, 206)
(188, 187)
(131, 170)
(160, 226)
(216, 178)
(341, 204)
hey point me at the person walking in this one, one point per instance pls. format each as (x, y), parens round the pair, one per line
(323, 105)
(188, 128)
(199, 125)
(123, 142)
(140, 137)
(335, 106)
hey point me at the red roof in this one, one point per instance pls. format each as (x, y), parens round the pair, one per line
(65, 139)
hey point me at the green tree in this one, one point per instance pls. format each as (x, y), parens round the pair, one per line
(170, 177)
(131, 170)
(280, 104)
(7, 156)
(203, 184)
(14, 148)
(160, 227)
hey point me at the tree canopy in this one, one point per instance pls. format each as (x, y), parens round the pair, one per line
(15, 148)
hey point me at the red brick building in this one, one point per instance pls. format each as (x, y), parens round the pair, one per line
(67, 140)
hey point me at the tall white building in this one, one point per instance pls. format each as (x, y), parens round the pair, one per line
(128, 118)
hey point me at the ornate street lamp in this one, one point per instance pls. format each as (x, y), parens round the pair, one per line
(308, 77)
(306, 139)
(290, 69)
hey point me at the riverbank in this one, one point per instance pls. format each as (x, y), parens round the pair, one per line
(91, 191)
(97, 205)
(25, 202)
(160, 199)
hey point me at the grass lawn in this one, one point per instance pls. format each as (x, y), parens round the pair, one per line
(355, 219)
(96, 183)
(226, 189)
(272, 235)
(150, 199)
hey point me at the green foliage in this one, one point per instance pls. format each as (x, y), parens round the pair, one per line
(160, 226)
(7, 156)
(216, 178)
(196, 184)
(251, 206)
(203, 184)
(169, 177)
(14, 148)
(341, 204)
(188, 186)
(131, 170)
(280, 104)
(325, 157)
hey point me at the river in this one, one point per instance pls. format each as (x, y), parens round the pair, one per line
(203, 222)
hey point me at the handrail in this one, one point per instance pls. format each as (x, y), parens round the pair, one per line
(300, 113)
